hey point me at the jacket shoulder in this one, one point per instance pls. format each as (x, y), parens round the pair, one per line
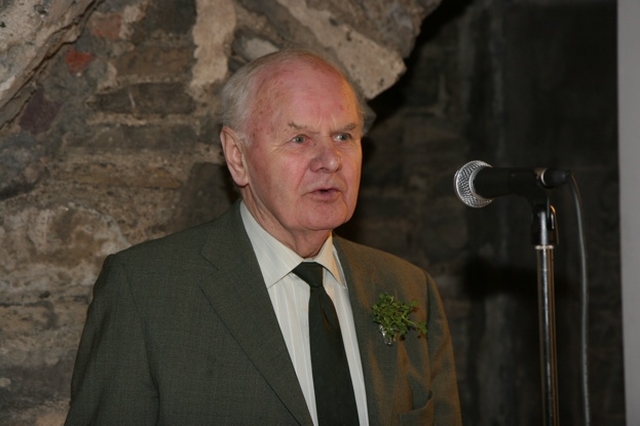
(379, 261)
(181, 244)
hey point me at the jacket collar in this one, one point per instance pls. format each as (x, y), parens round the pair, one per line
(239, 296)
(379, 360)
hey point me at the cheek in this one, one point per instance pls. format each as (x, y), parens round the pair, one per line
(258, 167)
(275, 177)
(354, 169)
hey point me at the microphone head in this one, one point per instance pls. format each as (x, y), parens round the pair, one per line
(463, 184)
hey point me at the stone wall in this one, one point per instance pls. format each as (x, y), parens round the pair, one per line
(108, 137)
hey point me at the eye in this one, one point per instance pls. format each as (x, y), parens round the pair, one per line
(298, 139)
(343, 137)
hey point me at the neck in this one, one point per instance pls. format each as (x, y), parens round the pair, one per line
(305, 243)
(306, 247)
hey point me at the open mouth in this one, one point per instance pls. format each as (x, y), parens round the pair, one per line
(326, 193)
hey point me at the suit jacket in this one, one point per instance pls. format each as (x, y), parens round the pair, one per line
(181, 331)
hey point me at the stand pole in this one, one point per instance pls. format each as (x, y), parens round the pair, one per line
(544, 238)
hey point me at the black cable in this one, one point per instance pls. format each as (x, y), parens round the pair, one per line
(584, 304)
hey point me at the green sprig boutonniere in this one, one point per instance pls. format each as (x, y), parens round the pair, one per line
(392, 316)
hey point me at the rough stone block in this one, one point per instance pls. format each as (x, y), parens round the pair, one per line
(145, 98)
(77, 61)
(208, 192)
(39, 113)
(154, 62)
(16, 153)
(105, 25)
(171, 137)
(168, 17)
(46, 246)
(109, 175)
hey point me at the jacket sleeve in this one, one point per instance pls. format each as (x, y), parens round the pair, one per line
(111, 383)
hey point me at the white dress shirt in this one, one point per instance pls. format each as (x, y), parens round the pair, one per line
(290, 298)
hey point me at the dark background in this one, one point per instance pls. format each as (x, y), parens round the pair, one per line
(515, 84)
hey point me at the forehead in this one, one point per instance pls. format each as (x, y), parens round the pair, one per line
(297, 68)
(303, 88)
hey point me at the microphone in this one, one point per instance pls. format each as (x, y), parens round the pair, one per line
(477, 183)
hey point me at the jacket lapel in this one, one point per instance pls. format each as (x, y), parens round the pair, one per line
(237, 292)
(379, 360)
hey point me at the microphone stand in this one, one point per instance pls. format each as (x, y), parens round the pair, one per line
(545, 236)
(531, 184)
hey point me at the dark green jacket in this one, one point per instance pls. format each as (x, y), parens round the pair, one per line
(181, 331)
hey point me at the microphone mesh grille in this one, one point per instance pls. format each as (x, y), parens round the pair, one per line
(463, 184)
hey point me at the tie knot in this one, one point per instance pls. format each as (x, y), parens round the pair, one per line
(310, 272)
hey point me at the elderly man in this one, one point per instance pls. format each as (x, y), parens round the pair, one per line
(263, 316)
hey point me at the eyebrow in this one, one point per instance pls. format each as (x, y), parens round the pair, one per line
(348, 127)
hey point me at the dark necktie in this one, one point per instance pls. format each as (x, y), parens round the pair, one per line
(335, 401)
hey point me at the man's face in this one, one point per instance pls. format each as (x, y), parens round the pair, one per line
(303, 154)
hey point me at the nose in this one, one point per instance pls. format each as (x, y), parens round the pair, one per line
(327, 157)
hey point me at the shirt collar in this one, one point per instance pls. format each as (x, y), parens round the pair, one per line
(277, 260)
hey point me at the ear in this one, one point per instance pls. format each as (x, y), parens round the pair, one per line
(233, 149)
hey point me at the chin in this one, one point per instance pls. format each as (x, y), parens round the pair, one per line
(327, 224)
(324, 216)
